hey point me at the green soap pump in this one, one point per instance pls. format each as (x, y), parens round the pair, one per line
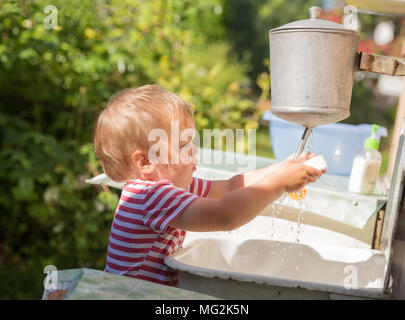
(372, 143)
(366, 166)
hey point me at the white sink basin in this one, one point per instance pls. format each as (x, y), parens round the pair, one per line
(322, 259)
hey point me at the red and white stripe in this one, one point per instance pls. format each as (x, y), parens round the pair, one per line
(141, 235)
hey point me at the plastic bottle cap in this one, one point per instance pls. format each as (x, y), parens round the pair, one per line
(372, 142)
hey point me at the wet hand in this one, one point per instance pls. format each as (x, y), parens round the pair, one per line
(294, 174)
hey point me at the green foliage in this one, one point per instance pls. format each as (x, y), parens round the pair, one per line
(249, 21)
(365, 107)
(54, 82)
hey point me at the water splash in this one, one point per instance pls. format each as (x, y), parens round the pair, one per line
(303, 205)
(276, 208)
(298, 202)
(299, 227)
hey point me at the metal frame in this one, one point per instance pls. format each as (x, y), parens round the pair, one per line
(393, 206)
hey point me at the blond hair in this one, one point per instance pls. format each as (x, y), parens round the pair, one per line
(124, 125)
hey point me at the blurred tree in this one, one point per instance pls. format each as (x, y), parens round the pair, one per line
(55, 81)
(249, 21)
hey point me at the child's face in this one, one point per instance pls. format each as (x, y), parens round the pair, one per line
(182, 159)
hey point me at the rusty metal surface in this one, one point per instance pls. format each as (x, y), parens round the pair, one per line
(382, 64)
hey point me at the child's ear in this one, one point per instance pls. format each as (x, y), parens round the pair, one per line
(140, 161)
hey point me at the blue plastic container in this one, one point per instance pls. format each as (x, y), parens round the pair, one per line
(337, 142)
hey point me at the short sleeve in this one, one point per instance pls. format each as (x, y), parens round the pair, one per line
(200, 187)
(164, 203)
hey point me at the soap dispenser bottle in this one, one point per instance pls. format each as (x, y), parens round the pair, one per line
(366, 166)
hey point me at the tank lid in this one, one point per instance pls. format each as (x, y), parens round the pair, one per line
(313, 23)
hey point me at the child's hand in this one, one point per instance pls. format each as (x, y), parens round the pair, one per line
(304, 156)
(295, 175)
(233, 203)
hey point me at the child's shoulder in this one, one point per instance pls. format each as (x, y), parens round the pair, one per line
(139, 185)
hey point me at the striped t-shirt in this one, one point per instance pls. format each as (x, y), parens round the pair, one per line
(141, 235)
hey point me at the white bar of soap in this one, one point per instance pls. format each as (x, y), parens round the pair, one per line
(318, 163)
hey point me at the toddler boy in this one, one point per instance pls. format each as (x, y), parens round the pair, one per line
(161, 199)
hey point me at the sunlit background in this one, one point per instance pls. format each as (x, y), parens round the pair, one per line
(53, 83)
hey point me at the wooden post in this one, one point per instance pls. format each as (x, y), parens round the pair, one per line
(398, 124)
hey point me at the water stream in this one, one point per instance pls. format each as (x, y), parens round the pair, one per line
(298, 201)
(302, 202)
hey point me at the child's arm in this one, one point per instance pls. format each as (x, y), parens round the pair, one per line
(220, 188)
(242, 205)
